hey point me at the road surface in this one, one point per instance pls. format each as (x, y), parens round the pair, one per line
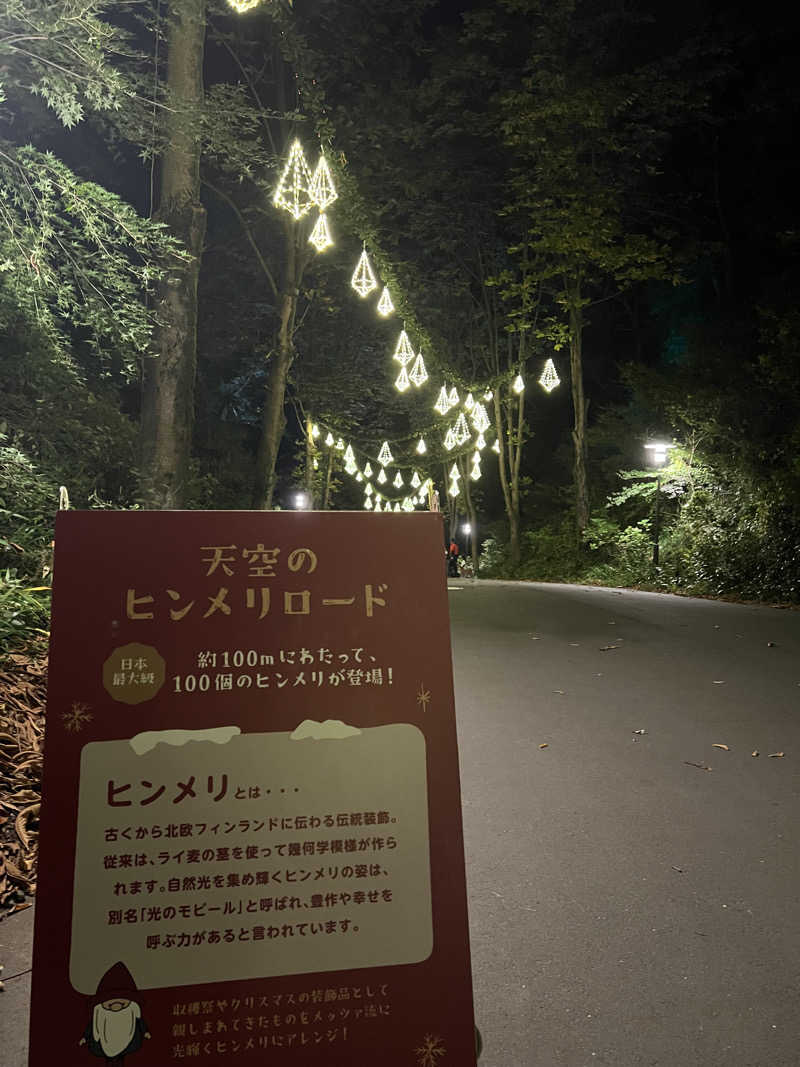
(629, 907)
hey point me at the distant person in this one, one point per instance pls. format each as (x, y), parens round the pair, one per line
(452, 560)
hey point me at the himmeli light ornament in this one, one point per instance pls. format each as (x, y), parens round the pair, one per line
(359, 477)
(398, 481)
(487, 396)
(455, 474)
(549, 379)
(416, 481)
(453, 489)
(422, 448)
(461, 430)
(397, 507)
(481, 442)
(340, 445)
(368, 469)
(418, 373)
(475, 473)
(408, 504)
(240, 6)
(293, 193)
(496, 446)
(519, 384)
(364, 281)
(469, 403)
(402, 383)
(403, 352)
(368, 489)
(315, 431)
(329, 439)
(385, 305)
(480, 419)
(452, 400)
(378, 506)
(442, 404)
(321, 188)
(382, 476)
(385, 456)
(450, 440)
(368, 504)
(320, 236)
(349, 455)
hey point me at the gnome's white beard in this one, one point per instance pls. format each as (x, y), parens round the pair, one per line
(113, 1030)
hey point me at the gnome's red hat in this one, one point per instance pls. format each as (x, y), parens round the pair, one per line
(116, 983)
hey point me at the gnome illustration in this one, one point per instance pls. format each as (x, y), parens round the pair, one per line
(116, 1028)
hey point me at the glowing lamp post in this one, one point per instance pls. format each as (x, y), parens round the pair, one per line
(658, 454)
(301, 501)
(466, 530)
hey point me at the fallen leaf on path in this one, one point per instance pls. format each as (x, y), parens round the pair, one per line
(608, 648)
(723, 747)
(545, 745)
(700, 766)
(776, 755)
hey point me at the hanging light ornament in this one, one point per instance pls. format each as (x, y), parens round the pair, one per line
(454, 490)
(487, 396)
(416, 481)
(481, 442)
(455, 474)
(442, 404)
(452, 400)
(469, 403)
(368, 470)
(351, 468)
(359, 477)
(398, 481)
(316, 464)
(422, 448)
(519, 384)
(402, 382)
(475, 473)
(321, 188)
(320, 236)
(315, 431)
(240, 6)
(397, 507)
(382, 476)
(461, 430)
(408, 504)
(378, 505)
(368, 504)
(368, 489)
(385, 456)
(293, 193)
(329, 439)
(349, 455)
(340, 445)
(480, 420)
(385, 305)
(450, 440)
(403, 352)
(496, 446)
(364, 281)
(549, 379)
(418, 373)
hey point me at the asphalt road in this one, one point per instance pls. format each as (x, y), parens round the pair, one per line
(627, 907)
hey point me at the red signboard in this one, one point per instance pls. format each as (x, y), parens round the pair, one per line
(251, 844)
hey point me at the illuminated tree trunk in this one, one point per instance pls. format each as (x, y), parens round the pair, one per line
(580, 406)
(168, 379)
(273, 419)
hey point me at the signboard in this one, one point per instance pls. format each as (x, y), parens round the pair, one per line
(251, 845)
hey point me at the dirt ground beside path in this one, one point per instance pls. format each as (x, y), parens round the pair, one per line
(23, 689)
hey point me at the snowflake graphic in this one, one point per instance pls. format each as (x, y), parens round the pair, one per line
(77, 717)
(430, 1051)
(423, 697)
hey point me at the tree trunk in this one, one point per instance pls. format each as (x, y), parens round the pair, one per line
(326, 496)
(310, 456)
(168, 378)
(273, 419)
(580, 407)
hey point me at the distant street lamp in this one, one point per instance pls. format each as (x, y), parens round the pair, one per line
(302, 501)
(466, 530)
(658, 454)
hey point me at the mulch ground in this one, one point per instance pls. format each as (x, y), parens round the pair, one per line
(23, 688)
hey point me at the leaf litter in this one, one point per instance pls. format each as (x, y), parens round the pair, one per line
(23, 688)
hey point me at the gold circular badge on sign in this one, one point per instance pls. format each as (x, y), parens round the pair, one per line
(134, 673)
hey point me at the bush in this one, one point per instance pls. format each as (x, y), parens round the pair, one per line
(24, 611)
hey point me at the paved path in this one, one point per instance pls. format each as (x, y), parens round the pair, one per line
(626, 908)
